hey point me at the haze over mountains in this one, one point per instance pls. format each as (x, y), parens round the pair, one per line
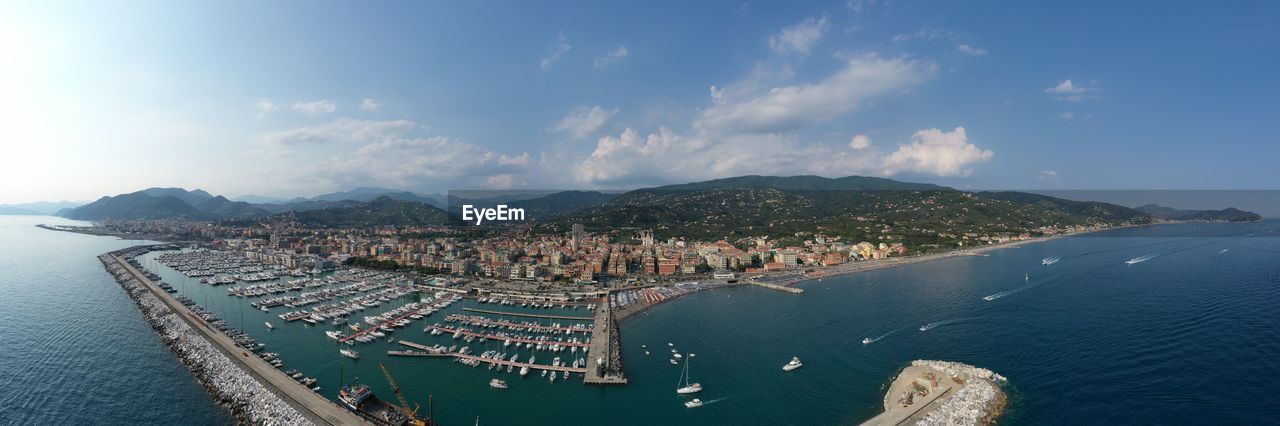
(715, 207)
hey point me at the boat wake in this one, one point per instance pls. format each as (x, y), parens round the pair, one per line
(1141, 259)
(1223, 251)
(705, 403)
(936, 324)
(868, 341)
(1029, 286)
(1050, 260)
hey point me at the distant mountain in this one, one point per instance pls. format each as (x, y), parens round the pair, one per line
(301, 205)
(135, 206)
(190, 197)
(370, 193)
(259, 199)
(807, 183)
(1230, 214)
(37, 208)
(163, 203)
(1097, 211)
(381, 211)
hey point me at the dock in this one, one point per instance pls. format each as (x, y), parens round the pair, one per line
(605, 363)
(509, 324)
(451, 330)
(427, 351)
(312, 405)
(777, 287)
(521, 314)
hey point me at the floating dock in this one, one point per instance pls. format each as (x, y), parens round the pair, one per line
(521, 314)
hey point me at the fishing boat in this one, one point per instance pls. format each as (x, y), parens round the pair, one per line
(684, 375)
(794, 364)
(694, 403)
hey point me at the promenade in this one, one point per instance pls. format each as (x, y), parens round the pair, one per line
(315, 407)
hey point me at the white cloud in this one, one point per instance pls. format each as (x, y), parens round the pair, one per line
(370, 104)
(970, 50)
(264, 107)
(342, 130)
(315, 107)
(561, 47)
(631, 158)
(611, 57)
(799, 38)
(1067, 115)
(927, 34)
(936, 152)
(1048, 175)
(860, 142)
(789, 107)
(1071, 92)
(582, 121)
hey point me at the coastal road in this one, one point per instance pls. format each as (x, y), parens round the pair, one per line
(317, 408)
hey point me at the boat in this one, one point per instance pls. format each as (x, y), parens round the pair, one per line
(269, 326)
(867, 340)
(333, 334)
(693, 403)
(684, 375)
(1027, 276)
(349, 353)
(359, 399)
(524, 370)
(674, 362)
(794, 364)
(497, 384)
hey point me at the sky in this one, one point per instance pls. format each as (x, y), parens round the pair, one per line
(300, 98)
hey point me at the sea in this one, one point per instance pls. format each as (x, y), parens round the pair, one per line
(1187, 333)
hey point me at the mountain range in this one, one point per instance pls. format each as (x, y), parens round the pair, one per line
(745, 205)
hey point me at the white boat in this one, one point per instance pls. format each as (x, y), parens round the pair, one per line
(867, 340)
(684, 375)
(694, 403)
(674, 362)
(497, 384)
(334, 334)
(270, 327)
(349, 353)
(794, 364)
(524, 371)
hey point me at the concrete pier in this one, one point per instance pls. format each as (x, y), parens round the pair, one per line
(783, 288)
(606, 347)
(521, 314)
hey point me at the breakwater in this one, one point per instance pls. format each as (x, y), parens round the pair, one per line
(942, 393)
(230, 386)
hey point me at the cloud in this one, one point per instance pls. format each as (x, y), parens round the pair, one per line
(936, 152)
(582, 121)
(315, 107)
(611, 57)
(631, 158)
(342, 130)
(561, 47)
(1070, 92)
(860, 142)
(799, 38)
(1048, 175)
(370, 104)
(790, 107)
(265, 106)
(1067, 115)
(926, 34)
(970, 50)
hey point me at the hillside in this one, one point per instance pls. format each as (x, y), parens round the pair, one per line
(382, 211)
(163, 203)
(808, 183)
(1230, 214)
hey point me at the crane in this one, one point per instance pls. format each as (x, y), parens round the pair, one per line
(404, 404)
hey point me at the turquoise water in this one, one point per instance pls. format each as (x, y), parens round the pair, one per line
(73, 348)
(1187, 337)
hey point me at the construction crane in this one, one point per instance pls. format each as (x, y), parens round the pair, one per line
(404, 404)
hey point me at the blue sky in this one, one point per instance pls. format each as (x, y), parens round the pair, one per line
(293, 98)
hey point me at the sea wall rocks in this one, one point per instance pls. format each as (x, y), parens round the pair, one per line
(229, 384)
(979, 402)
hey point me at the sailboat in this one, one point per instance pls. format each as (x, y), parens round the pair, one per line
(1027, 276)
(684, 376)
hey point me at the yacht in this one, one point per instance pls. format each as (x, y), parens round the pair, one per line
(333, 334)
(497, 384)
(694, 403)
(684, 375)
(270, 327)
(794, 364)
(867, 340)
(349, 353)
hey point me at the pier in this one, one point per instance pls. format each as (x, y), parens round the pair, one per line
(315, 407)
(521, 314)
(508, 324)
(425, 350)
(777, 287)
(605, 363)
(451, 330)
